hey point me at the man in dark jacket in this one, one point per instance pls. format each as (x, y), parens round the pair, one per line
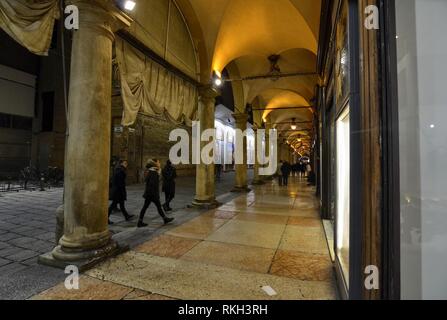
(285, 170)
(169, 174)
(152, 192)
(118, 193)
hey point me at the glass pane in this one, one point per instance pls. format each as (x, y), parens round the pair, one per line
(343, 167)
(342, 58)
(422, 66)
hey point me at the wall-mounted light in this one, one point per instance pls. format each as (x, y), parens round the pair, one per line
(217, 79)
(129, 5)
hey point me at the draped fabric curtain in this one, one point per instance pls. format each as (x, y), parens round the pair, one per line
(151, 89)
(30, 22)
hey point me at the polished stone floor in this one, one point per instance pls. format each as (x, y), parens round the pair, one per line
(270, 237)
(28, 221)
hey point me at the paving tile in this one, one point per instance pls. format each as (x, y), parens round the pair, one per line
(4, 245)
(249, 233)
(270, 211)
(188, 280)
(89, 289)
(4, 262)
(297, 265)
(20, 241)
(262, 218)
(9, 236)
(217, 214)
(305, 222)
(11, 268)
(146, 296)
(22, 255)
(232, 256)
(9, 251)
(199, 228)
(304, 239)
(167, 246)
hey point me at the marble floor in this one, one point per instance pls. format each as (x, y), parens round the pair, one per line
(271, 237)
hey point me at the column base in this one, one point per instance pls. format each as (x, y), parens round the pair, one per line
(241, 189)
(205, 204)
(84, 260)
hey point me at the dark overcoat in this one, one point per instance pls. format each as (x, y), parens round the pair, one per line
(152, 190)
(118, 190)
(169, 175)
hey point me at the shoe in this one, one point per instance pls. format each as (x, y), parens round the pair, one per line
(129, 217)
(168, 220)
(141, 224)
(169, 209)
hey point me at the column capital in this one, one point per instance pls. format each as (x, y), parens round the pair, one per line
(101, 14)
(208, 93)
(240, 117)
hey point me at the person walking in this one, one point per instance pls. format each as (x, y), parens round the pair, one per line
(218, 169)
(152, 192)
(169, 174)
(118, 192)
(308, 169)
(279, 173)
(285, 171)
(302, 169)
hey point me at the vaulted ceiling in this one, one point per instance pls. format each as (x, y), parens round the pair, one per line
(240, 35)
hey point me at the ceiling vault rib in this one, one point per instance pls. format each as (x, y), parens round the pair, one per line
(270, 76)
(281, 108)
(297, 122)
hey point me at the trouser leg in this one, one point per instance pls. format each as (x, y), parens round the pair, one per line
(112, 207)
(170, 197)
(123, 208)
(147, 203)
(159, 208)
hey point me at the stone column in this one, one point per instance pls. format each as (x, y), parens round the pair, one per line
(268, 127)
(241, 184)
(205, 178)
(86, 238)
(256, 178)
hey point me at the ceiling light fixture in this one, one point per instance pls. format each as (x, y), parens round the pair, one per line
(129, 5)
(275, 70)
(293, 126)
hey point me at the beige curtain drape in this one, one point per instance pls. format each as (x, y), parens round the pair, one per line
(151, 89)
(30, 22)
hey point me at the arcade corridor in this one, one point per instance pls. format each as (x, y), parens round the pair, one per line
(207, 103)
(271, 237)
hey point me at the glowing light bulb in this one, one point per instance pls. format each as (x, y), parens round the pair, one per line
(129, 5)
(218, 82)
